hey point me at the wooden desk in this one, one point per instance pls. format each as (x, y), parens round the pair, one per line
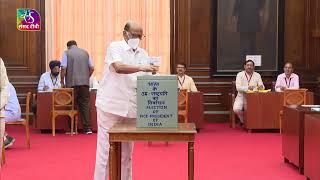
(196, 108)
(127, 131)
(261, 110)
(312, 146)
(293, 134)
(44, 106)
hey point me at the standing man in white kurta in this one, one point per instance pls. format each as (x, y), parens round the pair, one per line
(246, 80)
(116, 97)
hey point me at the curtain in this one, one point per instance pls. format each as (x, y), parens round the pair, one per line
(96, 23)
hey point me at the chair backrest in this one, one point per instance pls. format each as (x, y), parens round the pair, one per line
(24, 101)
(182, 99)
(273, 88)
(295, 97)
(63, 99)
(234, 88)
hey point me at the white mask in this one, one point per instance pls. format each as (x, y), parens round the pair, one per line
(134, 43)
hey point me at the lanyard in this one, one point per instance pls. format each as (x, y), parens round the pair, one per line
(248, 78)
(54, 82)
(288, 86)
(181, 83)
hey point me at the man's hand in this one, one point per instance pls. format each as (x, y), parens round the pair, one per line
(283, 88)
(45, 88)
(149, 68)
(251, 88)
(260, 87)
(155, 69)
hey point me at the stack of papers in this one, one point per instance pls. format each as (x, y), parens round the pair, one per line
(259, 91)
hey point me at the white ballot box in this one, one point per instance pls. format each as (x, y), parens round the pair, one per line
(157, 98)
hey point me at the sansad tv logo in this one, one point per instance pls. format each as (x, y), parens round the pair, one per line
(28, 20)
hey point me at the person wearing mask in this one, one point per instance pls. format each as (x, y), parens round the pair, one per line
(50, 80)
(116, 97)
(247, 80)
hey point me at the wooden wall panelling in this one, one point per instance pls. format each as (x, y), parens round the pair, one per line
(22, 52)
(191, 43)
(295, 33)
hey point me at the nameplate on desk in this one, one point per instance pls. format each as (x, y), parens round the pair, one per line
(157, 100)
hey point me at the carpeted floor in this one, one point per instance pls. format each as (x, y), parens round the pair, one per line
(221, 153)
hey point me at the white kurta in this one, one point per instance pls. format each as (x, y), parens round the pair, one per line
(3, 101)
(243, 82)
(117, 101)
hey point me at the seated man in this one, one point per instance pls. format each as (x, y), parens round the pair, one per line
(3, 100)
(185, 81)
(246, 80)
(12, 112)
(287, 80)
(50, 80)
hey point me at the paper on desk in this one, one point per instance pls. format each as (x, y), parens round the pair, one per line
(265, 90)
(315, 109)
(259, 91)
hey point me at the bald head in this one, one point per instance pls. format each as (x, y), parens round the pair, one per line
(131, 24)
(132, 30)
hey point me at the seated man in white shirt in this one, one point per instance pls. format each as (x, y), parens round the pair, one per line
(288, 79)
(246, 80)
(50, 80)
(12, 112)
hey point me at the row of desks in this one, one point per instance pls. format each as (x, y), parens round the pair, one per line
(44, 106)
(261, 110)
(127, 131)
(301, 139)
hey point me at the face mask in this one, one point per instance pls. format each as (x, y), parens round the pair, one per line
(134, 43)
(55, 74)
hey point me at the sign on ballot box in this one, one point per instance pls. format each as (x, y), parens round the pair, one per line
(157, 98)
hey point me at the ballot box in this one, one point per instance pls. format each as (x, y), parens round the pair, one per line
(157, 102)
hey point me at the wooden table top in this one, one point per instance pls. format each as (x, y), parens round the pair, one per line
(130, 127)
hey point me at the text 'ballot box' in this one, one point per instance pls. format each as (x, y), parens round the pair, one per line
(157, 98)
